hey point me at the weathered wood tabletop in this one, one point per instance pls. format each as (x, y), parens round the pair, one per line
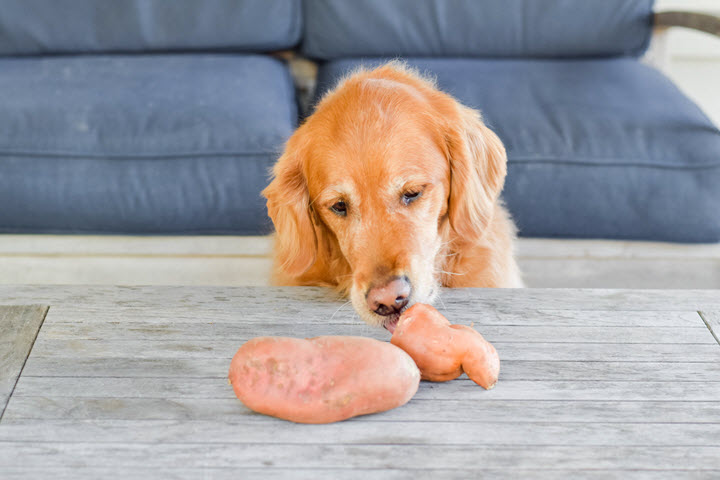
(132, 383)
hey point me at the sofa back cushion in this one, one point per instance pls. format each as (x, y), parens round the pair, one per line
(482, 28)
(92, 26)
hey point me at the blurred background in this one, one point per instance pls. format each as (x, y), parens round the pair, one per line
(135, 135)
(692, 58)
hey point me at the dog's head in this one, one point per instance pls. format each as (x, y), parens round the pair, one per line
(376, 189)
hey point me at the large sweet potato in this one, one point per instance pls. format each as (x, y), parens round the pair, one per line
(322, 379)
(443, 351)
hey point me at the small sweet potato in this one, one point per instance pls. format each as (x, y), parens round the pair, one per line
(322, 379)
(443, 351)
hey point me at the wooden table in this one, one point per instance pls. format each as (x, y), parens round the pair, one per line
(132, 383)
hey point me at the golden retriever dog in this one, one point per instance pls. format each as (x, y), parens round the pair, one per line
(388, 191)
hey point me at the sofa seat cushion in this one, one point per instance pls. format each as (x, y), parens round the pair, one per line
(597, 148)
(141, 144)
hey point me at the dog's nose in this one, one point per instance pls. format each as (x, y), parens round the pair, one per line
(389, 298)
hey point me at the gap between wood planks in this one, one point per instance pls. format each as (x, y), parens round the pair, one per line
(32, 344)
(707, 324)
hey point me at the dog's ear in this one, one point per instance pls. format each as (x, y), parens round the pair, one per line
(478, 165)
(288, 204)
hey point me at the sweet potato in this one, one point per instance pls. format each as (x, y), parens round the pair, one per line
(443, 351)
(322, 379)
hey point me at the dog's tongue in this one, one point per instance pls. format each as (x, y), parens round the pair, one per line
(390, 325)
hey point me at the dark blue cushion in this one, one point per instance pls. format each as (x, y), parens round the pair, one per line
(483, 28)
(597, 148)
(73, 26)
(141, 144)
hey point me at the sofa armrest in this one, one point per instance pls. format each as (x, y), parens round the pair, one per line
(697, 21)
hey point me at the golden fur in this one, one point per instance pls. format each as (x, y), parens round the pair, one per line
(379, 135)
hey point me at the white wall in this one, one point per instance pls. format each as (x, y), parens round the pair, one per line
(694, 57)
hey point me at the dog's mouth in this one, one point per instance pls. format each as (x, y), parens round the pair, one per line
(390, 322)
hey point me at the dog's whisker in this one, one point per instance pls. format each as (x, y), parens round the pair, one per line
(448, 273)
(314, 199)
(339, 308)
(439, 297)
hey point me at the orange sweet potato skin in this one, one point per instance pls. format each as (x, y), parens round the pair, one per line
(442, 351)
(322, 379)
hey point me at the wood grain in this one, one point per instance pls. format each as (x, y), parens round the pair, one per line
(530, 370)
(201, 387)
(388, 472)
(131, 381)
(28, 408)
(310, 301)
(241, 332)
(359, 432)
(379, 452)
(225, 347)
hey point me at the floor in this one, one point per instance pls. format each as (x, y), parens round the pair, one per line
(132, 383)
(238, 261)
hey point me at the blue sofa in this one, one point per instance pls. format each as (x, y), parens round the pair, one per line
(142, 116)
(149, 116)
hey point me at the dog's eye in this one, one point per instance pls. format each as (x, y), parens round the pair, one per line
(339, 208)
(409, 197)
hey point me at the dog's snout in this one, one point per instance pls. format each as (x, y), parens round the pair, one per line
(389, 298)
